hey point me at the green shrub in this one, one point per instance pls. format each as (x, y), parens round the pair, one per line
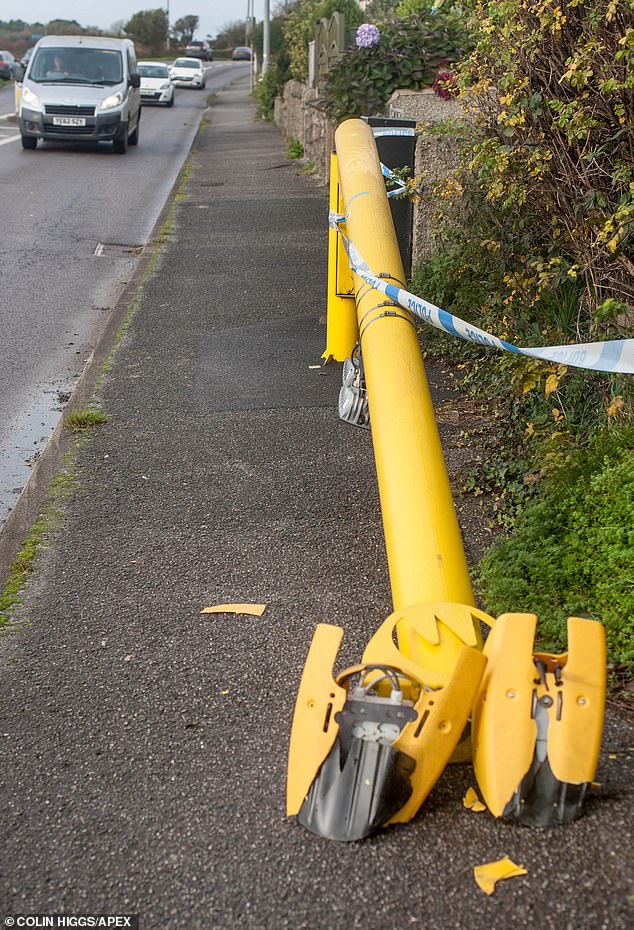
(550, 87)
(572, 552)
(267, 89)
(295, 149)
(409, 53)
(299, 28)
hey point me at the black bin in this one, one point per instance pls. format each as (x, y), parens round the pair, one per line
(396, 149)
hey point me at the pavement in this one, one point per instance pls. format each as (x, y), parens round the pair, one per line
(143, 744)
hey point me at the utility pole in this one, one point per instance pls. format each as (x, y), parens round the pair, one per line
(266, 50)
(248, 23)
(168, 23)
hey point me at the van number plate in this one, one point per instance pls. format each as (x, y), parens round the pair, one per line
(69, 121)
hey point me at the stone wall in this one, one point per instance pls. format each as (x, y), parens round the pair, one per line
(436, 155)
(300, 115)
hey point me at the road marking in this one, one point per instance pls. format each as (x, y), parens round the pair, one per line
(10, 139)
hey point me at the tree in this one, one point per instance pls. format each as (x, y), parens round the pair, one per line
(64, 27)
(149, 28)
(13, 25)
(184, 29)
(231, 34)
(380, 11)
(299, 28)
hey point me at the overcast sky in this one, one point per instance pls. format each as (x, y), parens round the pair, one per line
(103, 13)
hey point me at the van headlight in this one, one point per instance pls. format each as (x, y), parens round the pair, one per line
(164, 87)
(30, 99)
(112, 101)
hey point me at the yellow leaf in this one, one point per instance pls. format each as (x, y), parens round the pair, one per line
(552, 383)
(472, 802)
(489, 874)
(254, 610)
(615, 405)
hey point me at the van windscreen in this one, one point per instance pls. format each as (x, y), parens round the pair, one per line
(76, 65)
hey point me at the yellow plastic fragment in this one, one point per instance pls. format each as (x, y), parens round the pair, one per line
(254, 610)
(489, 874)
(472, 802)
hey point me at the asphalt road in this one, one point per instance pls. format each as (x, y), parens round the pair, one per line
(60, 205)
(144, 745)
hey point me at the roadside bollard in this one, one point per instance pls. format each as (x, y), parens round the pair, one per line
(369, 742)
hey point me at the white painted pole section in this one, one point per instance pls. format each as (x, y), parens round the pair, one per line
(266, 51)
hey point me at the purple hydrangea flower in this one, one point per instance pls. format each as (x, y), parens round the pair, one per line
(367, 36)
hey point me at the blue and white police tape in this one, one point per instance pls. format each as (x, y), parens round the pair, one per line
(616, 355)
(389, 175)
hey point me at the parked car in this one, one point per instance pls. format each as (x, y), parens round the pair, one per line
(7, 65)
(241, 53)
(202, 50)
(156, 83)
(188, 72)
(24, 61)
(81, 88)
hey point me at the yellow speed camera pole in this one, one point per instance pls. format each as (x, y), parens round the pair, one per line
(424, 547)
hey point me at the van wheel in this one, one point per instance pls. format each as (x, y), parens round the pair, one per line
(170, 102)
(120, 144)
(134, 138)
(29, 142)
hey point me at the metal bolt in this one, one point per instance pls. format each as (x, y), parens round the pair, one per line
(510, 693)
(581, 700)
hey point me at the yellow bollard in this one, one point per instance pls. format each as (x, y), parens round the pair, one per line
(368, 743)
(424, 547)
(341, 324)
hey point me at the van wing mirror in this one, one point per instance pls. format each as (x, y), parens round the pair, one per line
(135, 80)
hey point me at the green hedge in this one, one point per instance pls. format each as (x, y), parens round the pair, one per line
(572, 552)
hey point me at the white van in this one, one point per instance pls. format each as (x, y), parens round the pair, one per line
(81, 88)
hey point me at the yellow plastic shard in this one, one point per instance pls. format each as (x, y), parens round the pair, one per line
(314, 728)
(502, 729)
(253, 610)
(472, 802)
(569, 690)
(489, 874)
(430, 637)
(433, 736)
(574, 739)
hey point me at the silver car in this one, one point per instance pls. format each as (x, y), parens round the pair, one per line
(189, 72)
(81, 88)
(156, 83)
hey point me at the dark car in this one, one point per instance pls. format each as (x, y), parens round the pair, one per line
(202, 50)
(7, 65)
(241, 53)
(27, 56)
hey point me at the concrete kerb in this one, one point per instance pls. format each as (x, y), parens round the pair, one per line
(36, 493)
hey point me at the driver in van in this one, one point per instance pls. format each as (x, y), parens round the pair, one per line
(59, 66)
